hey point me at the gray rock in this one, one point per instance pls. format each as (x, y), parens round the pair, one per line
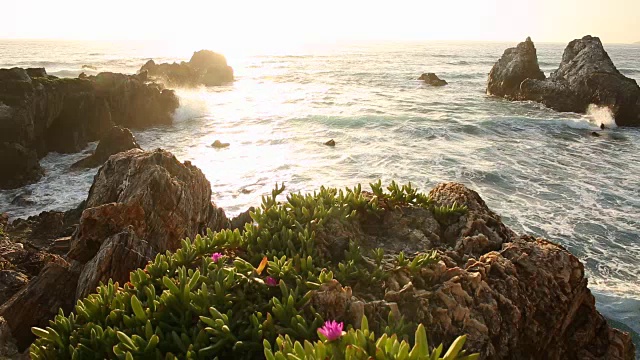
(585, 76)
(432, 79)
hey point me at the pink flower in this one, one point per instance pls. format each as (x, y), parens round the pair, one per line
(331, 330)
(270, 281)
(216, 256)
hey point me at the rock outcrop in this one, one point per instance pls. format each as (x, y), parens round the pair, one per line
(41, 113)
(117, 140)
(516, 297)
(432, 79)
(160, 199)
(585, 76)
(140, 204)
(205, 68)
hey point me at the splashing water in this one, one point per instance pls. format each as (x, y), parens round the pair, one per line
(601, 115)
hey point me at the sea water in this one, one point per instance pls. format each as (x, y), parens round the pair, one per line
(542, 171)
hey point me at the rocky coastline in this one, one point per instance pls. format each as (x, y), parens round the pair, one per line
(513, 295)
(40, 113)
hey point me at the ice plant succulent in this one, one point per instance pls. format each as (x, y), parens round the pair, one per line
(216, 256)
(332, 330)
(270, 281)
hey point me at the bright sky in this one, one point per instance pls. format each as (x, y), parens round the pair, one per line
(280, 22)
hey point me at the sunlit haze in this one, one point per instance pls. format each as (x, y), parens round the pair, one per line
(281, 23)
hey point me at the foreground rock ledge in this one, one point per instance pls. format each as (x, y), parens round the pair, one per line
(517, 297)
(140, 204)
(585, 76)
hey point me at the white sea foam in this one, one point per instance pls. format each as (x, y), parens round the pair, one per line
(601, 115)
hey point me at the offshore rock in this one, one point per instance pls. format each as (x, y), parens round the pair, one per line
(117, 140)
(40, 113)
(205, 68)
(516, 297)
(432, 79)
(516, 65)
(585, 76)
(160, 199)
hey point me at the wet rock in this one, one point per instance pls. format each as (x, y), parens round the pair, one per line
(330, 143)
(160, 199)
(117, 257)
(219, 145)
(22, 200)
(432, 79)
(39, 302)
(90, 67)
(593, 133)
(585, 76)
(117, 140)
(20, 165)
(205, 68)
(516, 65)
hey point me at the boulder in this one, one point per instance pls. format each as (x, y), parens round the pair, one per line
(40, 113)
(20, 165)
(516, 65)
(330, 143)
(432, 79)
(205, 68)
(39, 302)
(219, 145)
(585, 76)
(117, 257)
(151, 193)
(117, 140)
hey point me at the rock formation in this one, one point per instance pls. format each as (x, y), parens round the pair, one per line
(117, 140)
(585, 76)
(41, 113)
(516, 297)
(140, 204)
(205, 68)
(432, 79)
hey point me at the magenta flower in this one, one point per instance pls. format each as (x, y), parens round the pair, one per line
(216, 256)
(331, 330)
(270, 281)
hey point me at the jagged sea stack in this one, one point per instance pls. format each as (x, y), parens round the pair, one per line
(516, 65)
(585, 76)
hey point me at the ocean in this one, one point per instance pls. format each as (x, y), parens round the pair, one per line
(541, 170)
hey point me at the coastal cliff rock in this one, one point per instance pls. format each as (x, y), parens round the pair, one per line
(516, 297)
(585, 76)
(40, 113)
(161, 199)
(117, 140)
(205, 68)
(432, 79)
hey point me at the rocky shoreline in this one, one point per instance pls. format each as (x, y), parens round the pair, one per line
(514, 296)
